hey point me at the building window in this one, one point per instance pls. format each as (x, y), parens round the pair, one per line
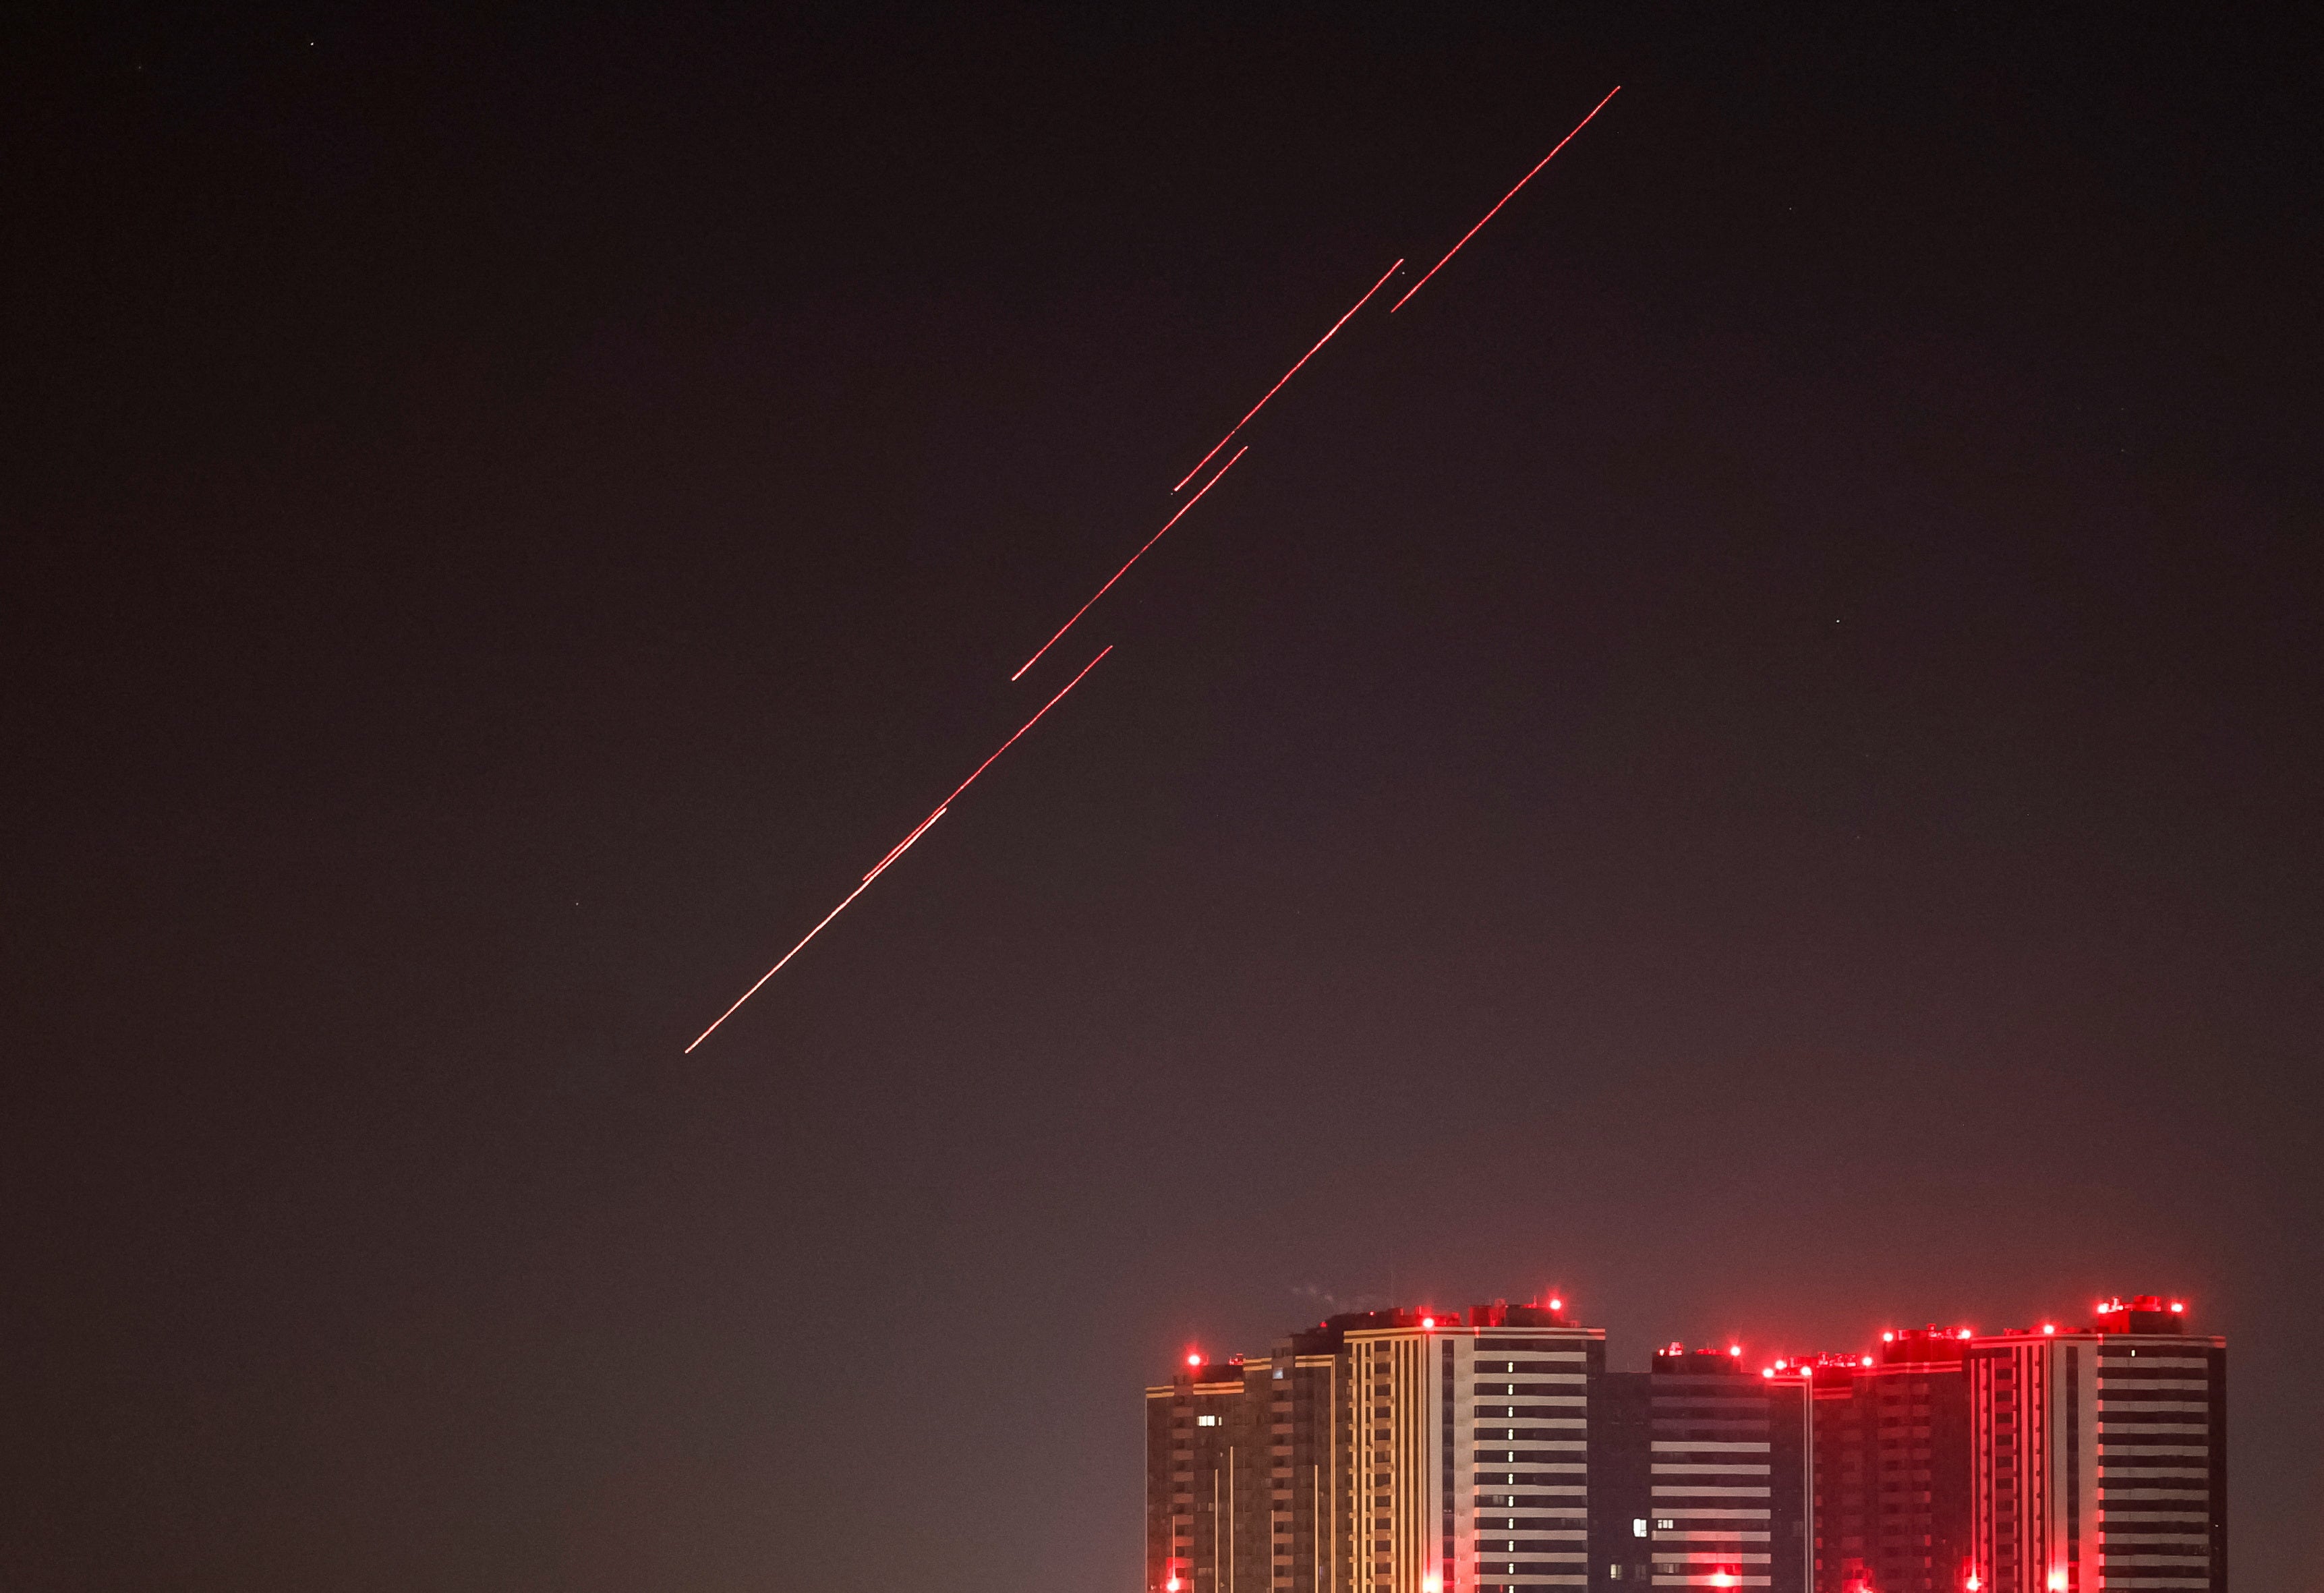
(1637, 1529)
(1206, 1421)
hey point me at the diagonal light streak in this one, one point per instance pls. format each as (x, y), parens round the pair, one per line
(882, 866)
(1124, 570)
(1506, 197)
(1287, 375)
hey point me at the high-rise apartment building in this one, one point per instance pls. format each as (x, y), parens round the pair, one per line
(1891, 1504)
(2099, 1456)
(1246, 1468)
(1702, 1476)
(1395, 1452)
(1189, 1463)
(1490, 1451)
(1470, 1462)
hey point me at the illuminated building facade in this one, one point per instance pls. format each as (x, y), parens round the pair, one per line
(1892, 1465)
(1472, 1467)
(1407, 1451)
(2099, 1456)
(1490, 1451)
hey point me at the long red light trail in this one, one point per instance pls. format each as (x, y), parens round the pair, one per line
(1287, 375)
(1124, 570)
(921, 830)
(900, 846)
(1506, 197)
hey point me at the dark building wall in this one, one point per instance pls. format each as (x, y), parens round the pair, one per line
(1622, 1477)
(1847, 1482)
(1790, 1556)
(1244, 1466)
(1189, 1481)
(1893, 1468)
(1284, 1436)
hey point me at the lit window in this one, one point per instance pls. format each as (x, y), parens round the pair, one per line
(1206, 1421)
(1666, 1525)
(1639, 1528)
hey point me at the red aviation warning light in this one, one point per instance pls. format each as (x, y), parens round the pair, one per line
(1432, 1583)
(2178, 1305)
(1171, 1585)
(1735, 1349)
(2057, 1581)
(2049, 1327)
(1428, 1321)
(1194, 1357)
(1557, 1304)
(1722, 1578)
(1974, 1582)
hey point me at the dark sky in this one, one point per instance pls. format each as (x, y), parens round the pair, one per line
(1751, 754)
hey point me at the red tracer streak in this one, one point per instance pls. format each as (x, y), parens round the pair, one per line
(1124, 570)
(892, 856)
(1287, 375)
(1506, 197)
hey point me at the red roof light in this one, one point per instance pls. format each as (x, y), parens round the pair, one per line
(1194, 1357)
(1427, 1321)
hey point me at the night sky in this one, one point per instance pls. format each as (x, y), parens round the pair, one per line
(1751, 754)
